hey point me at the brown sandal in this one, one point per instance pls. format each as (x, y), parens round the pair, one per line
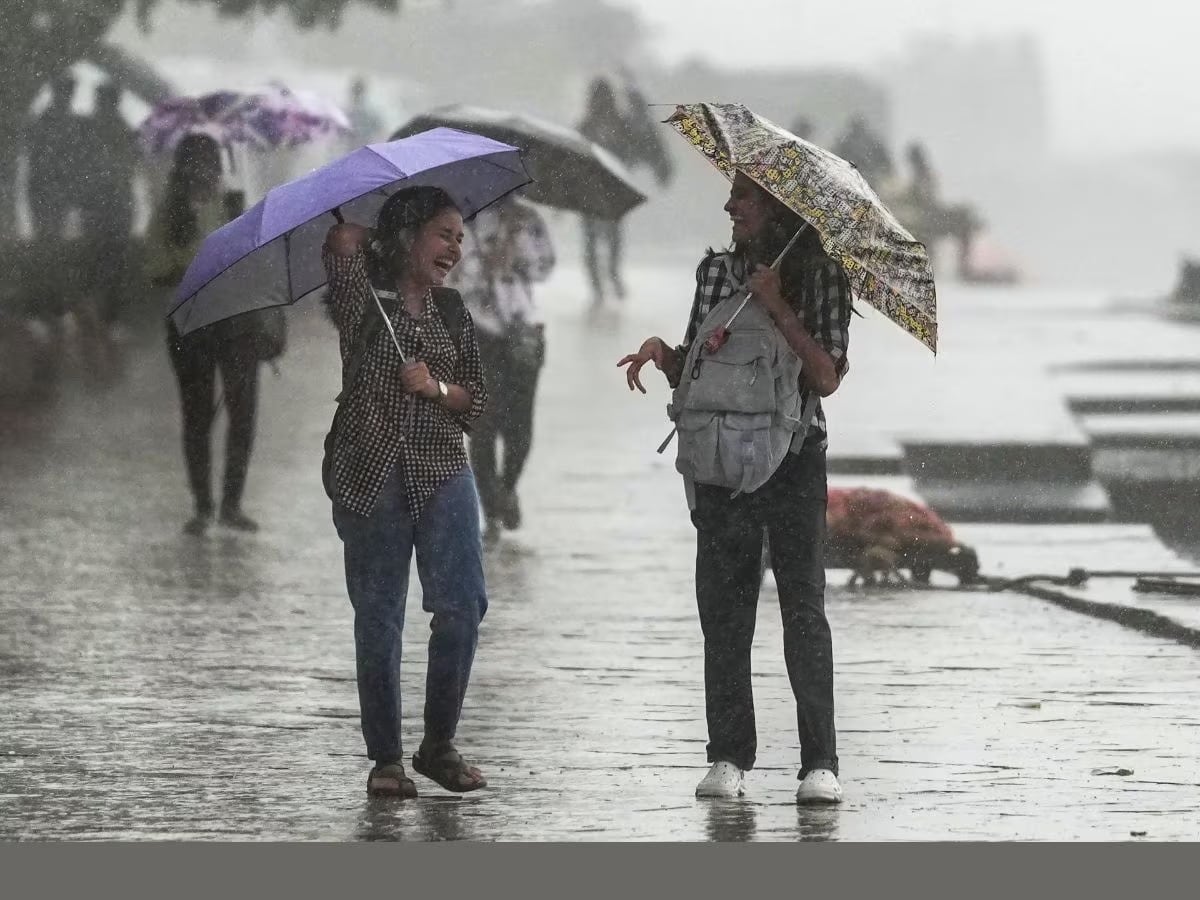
(449, 770)
(391, 781)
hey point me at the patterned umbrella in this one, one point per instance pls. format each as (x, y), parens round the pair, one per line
(886, 265)
(175, 117)
(276, 116)
(267, 118)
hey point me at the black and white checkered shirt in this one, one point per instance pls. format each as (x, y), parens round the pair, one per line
(382, 426)
(823, 302)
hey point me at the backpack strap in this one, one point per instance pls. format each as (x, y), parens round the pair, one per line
(370, 326)
(450, 306)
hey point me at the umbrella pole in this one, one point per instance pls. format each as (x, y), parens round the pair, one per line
(387, 323)
(775, 265)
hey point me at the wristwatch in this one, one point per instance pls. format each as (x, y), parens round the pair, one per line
(443, 391)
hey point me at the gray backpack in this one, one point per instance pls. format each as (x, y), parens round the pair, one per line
(737, 410)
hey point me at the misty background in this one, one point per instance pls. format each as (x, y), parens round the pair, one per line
(1061, 124)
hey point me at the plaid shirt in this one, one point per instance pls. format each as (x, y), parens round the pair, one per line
(498, 298)
(382, 426)
(823, 303)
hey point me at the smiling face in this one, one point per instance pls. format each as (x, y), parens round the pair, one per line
(436, 250)
(749, 207)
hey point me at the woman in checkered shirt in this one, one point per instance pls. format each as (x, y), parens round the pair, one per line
(809, 300)
(399, 477)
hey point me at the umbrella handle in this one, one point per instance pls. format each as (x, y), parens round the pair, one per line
(336, 212)
(775, 265)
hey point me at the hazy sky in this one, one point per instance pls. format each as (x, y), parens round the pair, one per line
(1135, 61)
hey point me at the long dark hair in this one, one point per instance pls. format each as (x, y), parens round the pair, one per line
(400, 220)
(193, 154)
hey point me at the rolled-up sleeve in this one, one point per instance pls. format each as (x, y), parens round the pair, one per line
(469, 372)
(348, 293)
(835, 302)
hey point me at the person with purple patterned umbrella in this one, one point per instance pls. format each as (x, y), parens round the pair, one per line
(267, 118)
(193, 206)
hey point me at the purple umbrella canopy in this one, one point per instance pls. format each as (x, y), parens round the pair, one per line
(271, 254)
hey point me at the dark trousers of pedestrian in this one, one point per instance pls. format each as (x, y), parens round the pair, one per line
(512, 380)
(196, 359)
(599, 236)
(791, 508)
(378, 552)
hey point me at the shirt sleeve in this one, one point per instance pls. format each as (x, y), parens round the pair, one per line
(348, 293)
(469, 373)
(835, 303)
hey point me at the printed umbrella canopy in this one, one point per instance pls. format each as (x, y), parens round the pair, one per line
(886, 265)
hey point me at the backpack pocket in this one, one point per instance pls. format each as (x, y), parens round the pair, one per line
(739, 377)
(747, 450)
(697, 455)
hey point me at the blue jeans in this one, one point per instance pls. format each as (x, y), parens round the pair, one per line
(378, 551)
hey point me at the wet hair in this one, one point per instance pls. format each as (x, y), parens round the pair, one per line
(399, 222)
(192, 151)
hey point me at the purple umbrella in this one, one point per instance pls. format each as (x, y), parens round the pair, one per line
(266, 118)
(271, 254)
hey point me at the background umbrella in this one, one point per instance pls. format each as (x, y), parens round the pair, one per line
(276, 116)
(271, 254)
(886, 265)
(175, 117)
(569, 171)
(266, 118)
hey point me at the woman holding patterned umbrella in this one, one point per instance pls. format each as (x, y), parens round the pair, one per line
(806, 230)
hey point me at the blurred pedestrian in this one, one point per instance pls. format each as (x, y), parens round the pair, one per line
(107, 201)
(808, 300)
(56, 146)
(192, 207)
(59, 187)
(803, 128)
(509, 251)
(398, 474)
(861, 145)
(365, 124)
(922, 187)
(602, 244)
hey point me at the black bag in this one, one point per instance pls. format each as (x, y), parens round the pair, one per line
(526, 346)
(449, 305)
(269, 333)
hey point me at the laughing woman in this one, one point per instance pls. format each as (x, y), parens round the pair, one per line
(398, 474)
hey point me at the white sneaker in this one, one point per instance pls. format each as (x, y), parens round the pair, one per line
(819, 786)
(724, 779)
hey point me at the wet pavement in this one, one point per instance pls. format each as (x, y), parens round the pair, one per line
(162, 687)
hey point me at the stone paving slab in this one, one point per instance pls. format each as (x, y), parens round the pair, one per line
(158, 687)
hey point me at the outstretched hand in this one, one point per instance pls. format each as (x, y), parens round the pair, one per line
(652, 350)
